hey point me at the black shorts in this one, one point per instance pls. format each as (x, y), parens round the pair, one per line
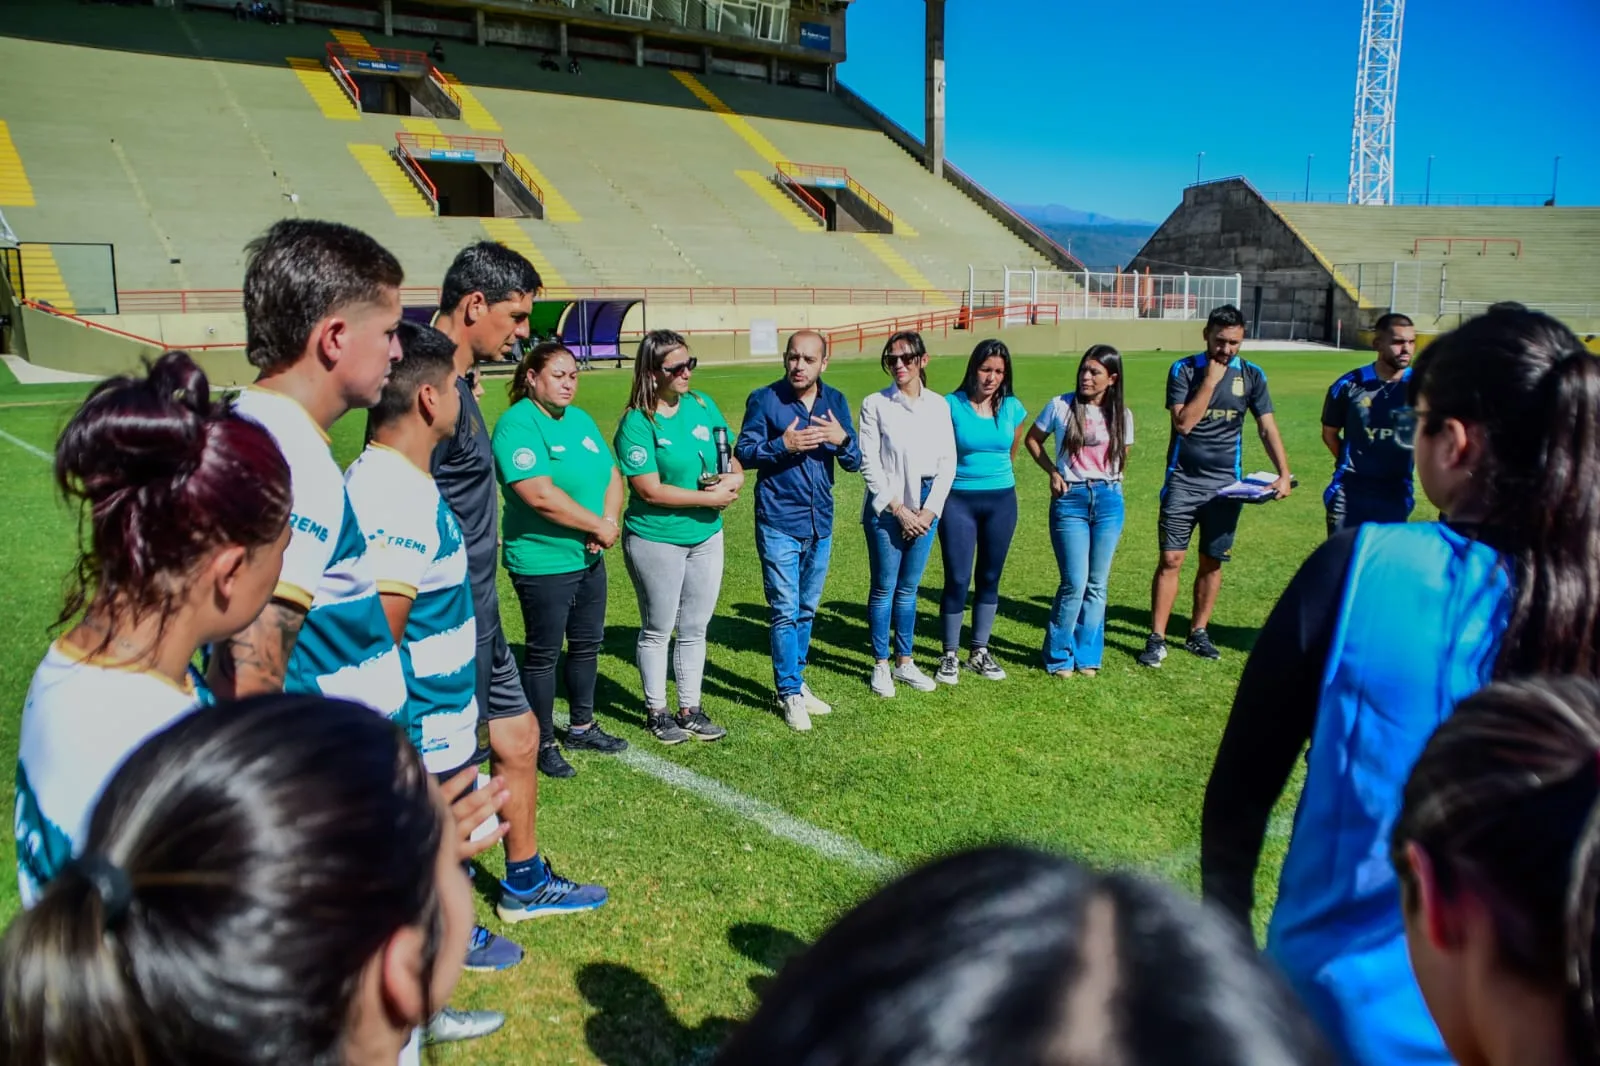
(500, 692)
(1183, 506)
(1349, 506)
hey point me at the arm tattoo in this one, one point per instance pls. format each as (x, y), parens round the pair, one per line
(256, 660)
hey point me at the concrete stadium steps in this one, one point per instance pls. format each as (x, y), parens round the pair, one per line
(1559, 264)
(42, 275)
(15, 189)
(662, 200)
(393, 183)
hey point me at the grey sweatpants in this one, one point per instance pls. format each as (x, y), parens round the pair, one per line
(677, 587)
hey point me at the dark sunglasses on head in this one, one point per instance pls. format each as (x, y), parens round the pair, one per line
(678, 369)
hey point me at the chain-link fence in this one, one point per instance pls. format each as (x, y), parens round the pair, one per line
(1414, 289)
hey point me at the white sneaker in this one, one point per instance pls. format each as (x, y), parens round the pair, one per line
(882, 681)
(949, 672)
(918, 680)
(814, 705)
(794, 713)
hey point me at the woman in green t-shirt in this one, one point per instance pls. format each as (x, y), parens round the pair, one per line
(563, 495)
(671, 444)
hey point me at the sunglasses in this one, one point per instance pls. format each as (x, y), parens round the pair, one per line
(907, 359)
(679, 369)
(472, 379)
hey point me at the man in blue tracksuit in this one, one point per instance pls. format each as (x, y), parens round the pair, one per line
(793, 431)
(1372, 479)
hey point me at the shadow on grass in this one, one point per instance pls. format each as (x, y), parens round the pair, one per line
(634, 1026)
(1134, 622)
(767, 946)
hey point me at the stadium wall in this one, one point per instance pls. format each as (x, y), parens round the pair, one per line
(1227, 227)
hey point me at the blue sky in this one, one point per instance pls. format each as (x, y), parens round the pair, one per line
(1103, 106)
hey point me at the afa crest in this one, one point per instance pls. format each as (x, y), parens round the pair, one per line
(1238, 386)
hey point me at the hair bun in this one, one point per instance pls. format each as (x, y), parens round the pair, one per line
(135, 431)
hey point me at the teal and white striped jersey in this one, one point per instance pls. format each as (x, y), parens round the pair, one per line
(344, 649)
(80, 721)
(415, 549)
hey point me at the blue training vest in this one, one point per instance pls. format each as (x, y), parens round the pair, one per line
(1423, 612)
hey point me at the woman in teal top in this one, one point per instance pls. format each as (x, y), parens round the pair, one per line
(563, 497)
(981, 514)
(673, 446)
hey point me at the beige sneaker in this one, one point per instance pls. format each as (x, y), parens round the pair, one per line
(814, 705)
(794, 713)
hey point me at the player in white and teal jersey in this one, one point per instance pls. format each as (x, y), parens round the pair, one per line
(418, 556)
(187, 540)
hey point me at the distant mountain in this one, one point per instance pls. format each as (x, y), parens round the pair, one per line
(1055, 214)
(1099, 241)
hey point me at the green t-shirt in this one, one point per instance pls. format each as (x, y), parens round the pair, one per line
(571, 451)
(677, 448)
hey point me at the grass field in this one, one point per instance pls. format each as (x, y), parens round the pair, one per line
(707, 902)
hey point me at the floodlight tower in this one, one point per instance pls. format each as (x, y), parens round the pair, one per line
(1377, 86)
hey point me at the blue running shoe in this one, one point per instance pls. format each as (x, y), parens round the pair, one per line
(487, 952)
(556, 895)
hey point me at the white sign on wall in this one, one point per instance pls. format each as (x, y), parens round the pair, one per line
(764, 336)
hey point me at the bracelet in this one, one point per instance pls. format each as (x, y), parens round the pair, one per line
(608, 518)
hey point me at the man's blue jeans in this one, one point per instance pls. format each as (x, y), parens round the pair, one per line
(897, 565)
(1085, 525)
(793, 572)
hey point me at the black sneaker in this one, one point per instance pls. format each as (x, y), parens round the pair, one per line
(551, 764)
(664, 729)
(1199, 643)
(594, 739)
(1155, 650)
(694, 722)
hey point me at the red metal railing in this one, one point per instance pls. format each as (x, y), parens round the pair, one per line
(808, 203)
(337, 51)
(230, 301)
(87, 324)
(1482, 243)
(436, 142)
(941, 323)
(341, 77)
(800, 171)
(415, 172)
(433, 142)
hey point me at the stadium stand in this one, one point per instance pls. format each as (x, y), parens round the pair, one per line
(652, 177)
(1326, 271)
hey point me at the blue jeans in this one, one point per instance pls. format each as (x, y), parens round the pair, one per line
(897, 565)
(1085, 525)
(792, 572)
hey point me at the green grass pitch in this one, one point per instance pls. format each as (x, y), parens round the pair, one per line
(706, 904)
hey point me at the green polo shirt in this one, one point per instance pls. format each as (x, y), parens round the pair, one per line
(677, 448)
(570, 451)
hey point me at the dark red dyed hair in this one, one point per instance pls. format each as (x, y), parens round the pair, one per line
(162, 474)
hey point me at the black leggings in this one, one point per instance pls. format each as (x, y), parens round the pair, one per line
(567, 607)
(974, 524)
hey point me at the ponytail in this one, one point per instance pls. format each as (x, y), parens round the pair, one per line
(1505, 802)
(240, 872)
(1528, 383)
(161, 474)
(534, 362)
(914, 341)
(652, 355)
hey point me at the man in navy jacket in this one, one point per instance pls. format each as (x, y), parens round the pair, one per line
(793, 431)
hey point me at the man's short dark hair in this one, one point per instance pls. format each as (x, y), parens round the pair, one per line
(426, 358)
(1225, 317)
(1391, 321)
(301, 271)
(490, 268)
(1504, 306)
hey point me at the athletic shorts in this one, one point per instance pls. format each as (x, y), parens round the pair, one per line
(500, 692)
(1349, 507)
(1184, 506)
